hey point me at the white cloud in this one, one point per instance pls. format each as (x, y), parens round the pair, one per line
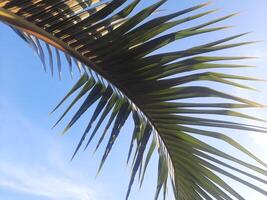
(36, 181)
(33, 163)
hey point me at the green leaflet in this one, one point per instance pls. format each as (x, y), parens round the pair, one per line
(50, 59)
(164, 58)
(155, 44)
(92, 97)
(235, 177)
(122, 116)
(148, 157)
(195, 143)
(189, 63)
(113, 115)
(68, 58)
(150, 30)
(106, 95)
(206, 76)
(87, 87)
(139, 157)
(162, 174)
(137, 129)
(40, 52)
(203, 155)
(218, 136)
(107, 22)
(68, 26)
(172, 105)
(79, 84)
(107, 109)
(204, 112)
(58, 63)
(193, 92)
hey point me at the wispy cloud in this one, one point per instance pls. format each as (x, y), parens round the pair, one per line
(33, 163)
(37, 181)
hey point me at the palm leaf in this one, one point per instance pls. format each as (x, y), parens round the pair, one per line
(113, 46)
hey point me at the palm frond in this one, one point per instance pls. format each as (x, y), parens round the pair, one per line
(113, 46)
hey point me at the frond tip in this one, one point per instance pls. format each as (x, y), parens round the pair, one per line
(114, 47)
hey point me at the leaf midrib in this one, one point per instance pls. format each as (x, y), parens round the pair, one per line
(32, 29)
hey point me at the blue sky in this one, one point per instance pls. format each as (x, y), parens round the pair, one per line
(34, 160)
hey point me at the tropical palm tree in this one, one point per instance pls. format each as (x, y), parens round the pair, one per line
(113, 46)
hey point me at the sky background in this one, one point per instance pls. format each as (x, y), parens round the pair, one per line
(35, 160)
